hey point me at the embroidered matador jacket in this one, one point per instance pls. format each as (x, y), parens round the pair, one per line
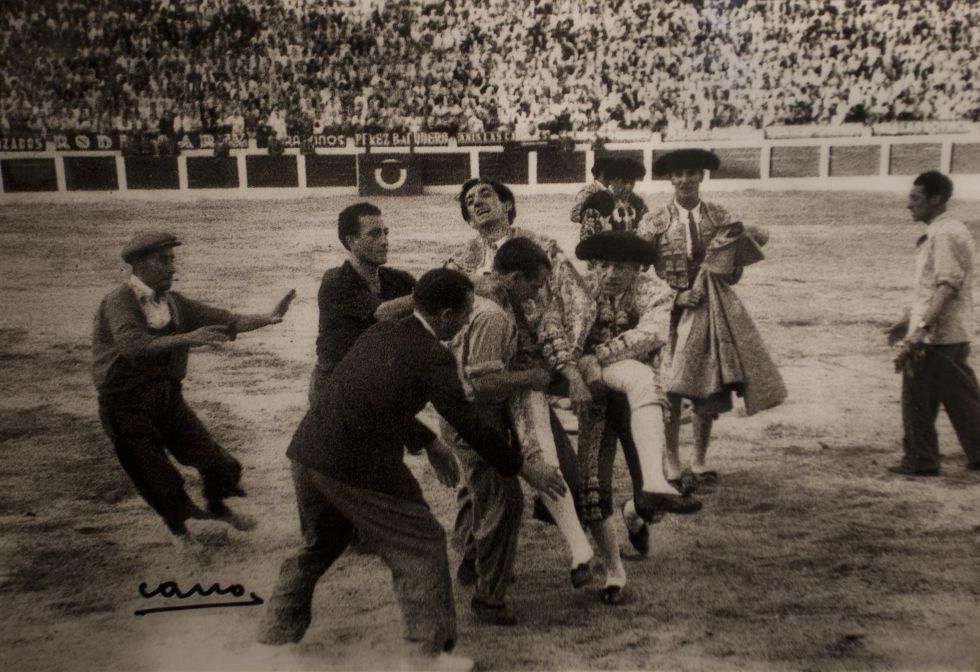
(633, 325)
(665, 228)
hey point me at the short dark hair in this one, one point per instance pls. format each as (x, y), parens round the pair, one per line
(440, 289)
(349, 220)
(934, 183)
(523, 255)
(502, 190)
(601, 201)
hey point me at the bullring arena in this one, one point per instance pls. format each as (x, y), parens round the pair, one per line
(808, 555)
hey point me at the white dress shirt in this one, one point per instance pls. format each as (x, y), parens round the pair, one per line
(684, 216)
(155, 305)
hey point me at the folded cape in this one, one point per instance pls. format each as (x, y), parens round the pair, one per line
(719, 351)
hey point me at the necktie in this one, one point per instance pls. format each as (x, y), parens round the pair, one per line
(697, 247)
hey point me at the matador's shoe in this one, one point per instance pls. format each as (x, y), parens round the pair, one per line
(648, 504)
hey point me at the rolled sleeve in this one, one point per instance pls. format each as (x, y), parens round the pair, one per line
(951, 258)
(490, 344)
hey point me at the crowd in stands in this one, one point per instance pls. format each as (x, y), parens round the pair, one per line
(173, 66)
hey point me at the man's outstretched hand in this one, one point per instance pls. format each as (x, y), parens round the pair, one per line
(544, 478)
(275, 317)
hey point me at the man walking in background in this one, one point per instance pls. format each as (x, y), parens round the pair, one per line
(142, 336)
(938, 328)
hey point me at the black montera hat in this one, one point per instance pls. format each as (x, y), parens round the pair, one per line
(681, 159)
(624, 246)
(622, 167)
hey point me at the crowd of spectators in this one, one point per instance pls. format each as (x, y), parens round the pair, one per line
(174, 66)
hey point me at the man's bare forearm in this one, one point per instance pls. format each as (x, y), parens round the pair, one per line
(497, 386)
(938, 303)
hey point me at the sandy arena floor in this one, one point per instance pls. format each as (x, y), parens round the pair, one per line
(808, 555)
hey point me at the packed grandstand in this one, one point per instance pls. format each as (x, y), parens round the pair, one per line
(167, 67)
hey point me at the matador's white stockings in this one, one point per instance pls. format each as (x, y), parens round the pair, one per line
(532, 423)
(639, 383)
(604, 533)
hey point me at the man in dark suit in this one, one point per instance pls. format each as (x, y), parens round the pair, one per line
(349, 473)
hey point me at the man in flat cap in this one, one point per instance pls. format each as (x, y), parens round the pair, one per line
(617, 177)
(141, 339)
(681, 232)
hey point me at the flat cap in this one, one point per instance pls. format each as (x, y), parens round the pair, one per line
(147, 241)
(680, 159)
(624, 246)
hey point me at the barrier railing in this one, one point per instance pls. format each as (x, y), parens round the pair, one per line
(866, 163)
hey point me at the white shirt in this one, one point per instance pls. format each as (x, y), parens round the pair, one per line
(489, 252)
(156, 306)
(684, 217)
(945, 256)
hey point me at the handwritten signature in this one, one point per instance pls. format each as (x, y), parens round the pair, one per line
(170, 589)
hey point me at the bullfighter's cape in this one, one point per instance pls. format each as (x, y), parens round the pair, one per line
(718, 349)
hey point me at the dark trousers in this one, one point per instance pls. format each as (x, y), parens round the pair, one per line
(496, 503)
(943, 377)
(402, 532)
(485, 529)
(143, 424)
(488, 523)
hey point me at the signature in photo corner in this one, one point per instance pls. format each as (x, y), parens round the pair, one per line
(171, 590)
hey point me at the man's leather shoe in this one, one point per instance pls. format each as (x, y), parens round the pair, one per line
(640, 540)
(686, 484)
(649, 503)
(613, 595)
(240, 521)
(466, 573)
(581, 575)
(902, 470)
(492, 614)
(707, 477)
